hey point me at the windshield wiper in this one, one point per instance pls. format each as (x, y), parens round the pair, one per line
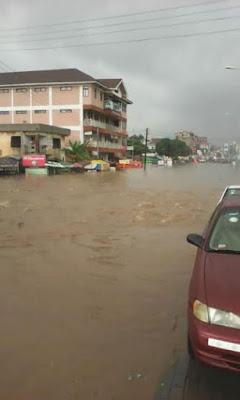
(226, 251)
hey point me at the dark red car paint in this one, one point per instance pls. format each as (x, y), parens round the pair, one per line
(216, 282)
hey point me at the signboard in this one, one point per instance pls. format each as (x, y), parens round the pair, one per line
(34, 160)
(123, 161)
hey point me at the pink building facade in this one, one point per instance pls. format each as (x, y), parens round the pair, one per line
(95, 111)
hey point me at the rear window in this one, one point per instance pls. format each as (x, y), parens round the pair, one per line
(225, 236)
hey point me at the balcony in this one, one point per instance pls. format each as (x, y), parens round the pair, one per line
(105, 145)
(102, 125)
(111, 105)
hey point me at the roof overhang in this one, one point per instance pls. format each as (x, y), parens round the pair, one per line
(35, 128)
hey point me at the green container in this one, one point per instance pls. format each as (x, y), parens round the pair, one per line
(36, 171)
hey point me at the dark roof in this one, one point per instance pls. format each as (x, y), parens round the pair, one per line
(34, 128)
(155, 140)
(48, 76)
(6, 162)
(110, 83)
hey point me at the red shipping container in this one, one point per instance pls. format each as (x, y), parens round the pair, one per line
(34, 160)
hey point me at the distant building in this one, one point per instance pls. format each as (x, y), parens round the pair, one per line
(193, 141)
(152, 144)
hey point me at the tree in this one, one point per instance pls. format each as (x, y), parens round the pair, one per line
(77, 151)
(137, 143)
(172, 148)
(164, 147)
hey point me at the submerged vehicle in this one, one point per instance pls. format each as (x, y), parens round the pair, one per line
(97, 165)
(122, 164)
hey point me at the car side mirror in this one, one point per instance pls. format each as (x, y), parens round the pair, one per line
(195, 239)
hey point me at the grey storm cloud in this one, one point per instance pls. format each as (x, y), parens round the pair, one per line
(175, 83)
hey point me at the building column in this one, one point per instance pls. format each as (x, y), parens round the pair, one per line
(12, 104)
(31, 105)
(81, 132)
(50, 101)
(22, 144)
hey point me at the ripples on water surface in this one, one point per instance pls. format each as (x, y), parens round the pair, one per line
(94, 273)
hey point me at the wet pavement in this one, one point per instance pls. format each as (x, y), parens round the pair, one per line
(94, 272)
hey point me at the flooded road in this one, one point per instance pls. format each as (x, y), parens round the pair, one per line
(94, 272)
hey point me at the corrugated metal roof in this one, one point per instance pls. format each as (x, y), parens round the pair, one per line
(110, 83)
(46, 76)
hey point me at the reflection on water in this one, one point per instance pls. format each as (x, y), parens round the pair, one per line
(94, 274)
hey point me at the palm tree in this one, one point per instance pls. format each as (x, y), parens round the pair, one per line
(77, 151)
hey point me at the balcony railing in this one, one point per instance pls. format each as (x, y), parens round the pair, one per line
(103, 125)
(104, 144)
(111, 105)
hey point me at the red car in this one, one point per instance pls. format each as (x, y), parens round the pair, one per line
(214, 293)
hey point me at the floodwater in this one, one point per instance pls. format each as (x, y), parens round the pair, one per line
(94, 272)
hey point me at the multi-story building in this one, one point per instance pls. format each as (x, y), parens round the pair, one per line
(95, 110)
(152, 144)
(189, 138)
(193, 141)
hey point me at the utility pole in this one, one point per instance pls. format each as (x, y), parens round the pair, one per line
(97, 143)
(145, 155)
(133, 142)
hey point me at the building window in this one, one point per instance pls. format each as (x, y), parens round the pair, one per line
(4, 112)
(85, 91)
(4, 90)
(65, 111)
(40, 89)
(124, 125)
(124, 107)
(65, 88)
(40, 111)
(95, 93)
(101, 96)
(16, 141)
(19, 90)
(21, 112)
(56, 143)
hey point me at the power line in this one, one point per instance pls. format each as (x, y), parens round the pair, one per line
(129, 22)
(128, 30)
(125, 41)
(3, 67)
(116, 16)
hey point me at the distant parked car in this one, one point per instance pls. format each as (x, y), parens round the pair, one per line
(233, 190)
(214, 293)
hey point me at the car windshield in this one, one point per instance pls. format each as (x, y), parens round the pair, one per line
(232, 192)
(225, 236)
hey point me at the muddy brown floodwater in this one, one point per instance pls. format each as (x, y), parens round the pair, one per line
(94, 271)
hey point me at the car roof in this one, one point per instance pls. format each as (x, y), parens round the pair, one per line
(232, 187)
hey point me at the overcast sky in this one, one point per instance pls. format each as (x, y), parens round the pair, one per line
(175, 84)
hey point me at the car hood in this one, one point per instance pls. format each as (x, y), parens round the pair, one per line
(222, 281)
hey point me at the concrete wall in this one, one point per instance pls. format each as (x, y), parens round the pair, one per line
(90, 99)
(63, 97)
(40, 118)
(40, 98)
(5, 99)
(6, 149)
